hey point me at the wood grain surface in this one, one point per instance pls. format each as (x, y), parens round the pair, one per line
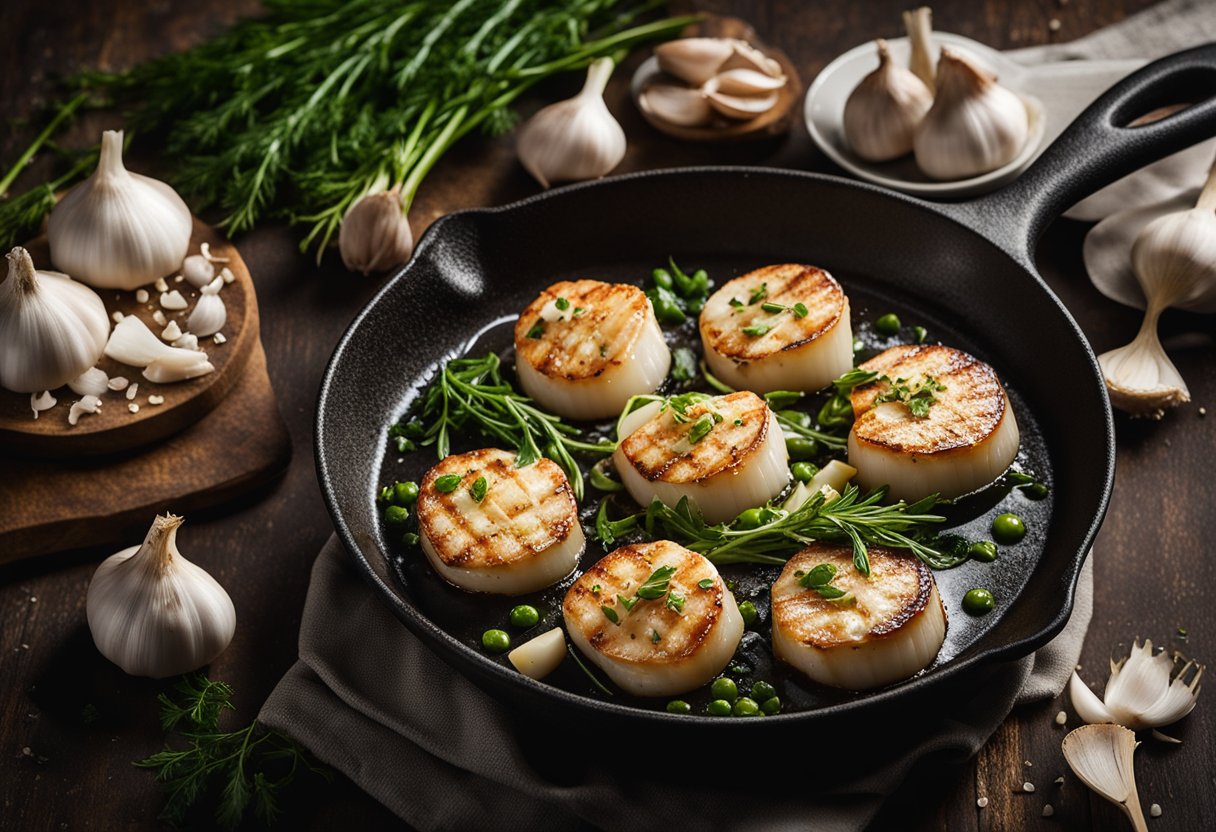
(1153, 568)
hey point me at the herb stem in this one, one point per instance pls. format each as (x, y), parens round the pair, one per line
(65, 112)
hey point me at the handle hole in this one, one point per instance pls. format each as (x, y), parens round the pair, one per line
(1157, 115)
(1168, 95)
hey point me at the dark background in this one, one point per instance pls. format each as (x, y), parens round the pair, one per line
(1154, 565)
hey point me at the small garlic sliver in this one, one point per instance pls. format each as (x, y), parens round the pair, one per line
(173, 301)
(42, 401)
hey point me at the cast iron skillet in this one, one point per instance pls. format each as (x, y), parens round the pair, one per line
(968, 263)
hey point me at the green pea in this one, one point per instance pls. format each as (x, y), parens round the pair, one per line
(746, 706)
(984, 550)
(1008, 528)
(496, 641)
(724, 688)
(678, 706)
(525, 616)
(695, 305)
(748, 519)
(748, 610)
(719, 707)
(405, 493)
(771, 706)
(919, 333)
(888, 324)
(978, 602)
(1035, 491)
(410, 539)
(763, 691)
(396, 515)
(662, 278)
(802, 420)
(801, 447)
(804, 471)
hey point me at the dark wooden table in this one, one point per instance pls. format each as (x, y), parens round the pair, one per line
(71, 723)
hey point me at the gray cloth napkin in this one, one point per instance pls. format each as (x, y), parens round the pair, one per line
(370, 700)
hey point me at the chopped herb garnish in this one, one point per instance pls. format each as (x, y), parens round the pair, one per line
(447, 483)
(600, 480)
(800, 310)
(609, 531)
(537, 330)
(778, 399)
(735, 302)
(679, 405)
(562, 304)
(756, 330)
(610, 614)
(480, 486)
(683, 364)
(595, 589)
(705, 583)
(701, 428)
(769, 306)
(738, 421)
(675, 601)
(655, 637)
(917, 397)
(820, 580)
(579, 310)
(919, 333)
(758, 294)
(781, 399)
(657, 584)
(603, 350)
(628, 603)
(410, 539)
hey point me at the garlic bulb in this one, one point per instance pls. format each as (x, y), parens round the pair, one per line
(1140, 378)
(919, 25)
(375, 235)
(882, 113)
(1140, 692)
(154, 613)
(1101, 755)
(52, 328)
(210, 314)
(117, 229)
(974, 126)
(574, 139)
(1174, 257)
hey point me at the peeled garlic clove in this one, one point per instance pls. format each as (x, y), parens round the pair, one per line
(919, 25)
(680, 106)
(1140, 378)
(1101, 756)
(92, 382)
(748, 82)
(745, 56)
(154, 613)
(52, 328)
(375, 235)
(738, 107)
(133, 343)
(197, 270)
(575, 139)
(974, 126)
(694, 60)
(1086, 703)
(119, 230)
(883, 111)
(209, 315)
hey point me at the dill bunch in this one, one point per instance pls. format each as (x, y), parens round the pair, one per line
(298, 113)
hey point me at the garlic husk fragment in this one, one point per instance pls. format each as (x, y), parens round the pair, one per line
(375, 235)
(694, 60)
(681, 106)
(1102, 757)
(209, 314)
(197, 270)
(117, 229)
(42, 401)
(883, 111)
(974, 126)
(92, 382)
(919, 25)
(52, 328)
(87, 404)
(575, 139)
(154, 613)
(1143, 691)
(1140, 378)
(133, 343)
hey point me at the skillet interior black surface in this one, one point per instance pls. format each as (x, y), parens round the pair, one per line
(474, 268)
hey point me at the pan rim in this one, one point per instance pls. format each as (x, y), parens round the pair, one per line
(443, 642)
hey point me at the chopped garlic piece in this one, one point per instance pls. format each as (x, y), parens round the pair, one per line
(172, 332)
(1154, 811)
(189, 341)
(227, 274)
(42, 401)
(159, 318)
(155, 400)
(161, 285)
(87, 404)
(1061, 718)
(118, 383)
(1028, 787)
(141, 295)
(982, 802)
(205, 250)
(117, 316)
(133, 407)
(132, 390)
(219, 338)
(173, 300)
(1048, 810)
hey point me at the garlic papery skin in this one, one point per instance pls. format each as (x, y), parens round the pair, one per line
(117, 229)
(375, 235)
(209, 314)
(974, 126)
(1102, 757)
(883, 111)
(1140, 378)
(154, 613)
(52, 328)
(919, 25)
(92, 382)
(694, 60)
(575, 139)
(681, 106)
(1144, 691)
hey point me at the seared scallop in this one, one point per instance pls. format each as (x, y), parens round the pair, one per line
(966, 438)
(584, 348)
(656, 617)
(724, 453)
(778, 328)
(885, 628)
(516, 532)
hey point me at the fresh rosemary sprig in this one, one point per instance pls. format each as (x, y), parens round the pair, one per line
(253, 763)
(779, 400)
(298, 112)
(850, 518)
(471, 394)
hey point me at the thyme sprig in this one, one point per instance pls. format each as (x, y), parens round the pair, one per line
(778, 400)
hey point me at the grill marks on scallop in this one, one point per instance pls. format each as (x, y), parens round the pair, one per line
(660, 450)
(587, 345)
(966, 413)
(525, 511)
(787, 284)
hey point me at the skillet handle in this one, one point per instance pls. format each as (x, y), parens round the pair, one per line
(1096, 149)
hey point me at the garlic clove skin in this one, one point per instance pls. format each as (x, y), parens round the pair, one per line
(1101, 756)
(681, 106)
(974, 126)
(747, 82)
(1140, 378)
(117, 229)
(154, 613)
(52, 328)
(575, 139)
(741, 108)
(1143, 691)
(694, 60)
(375, 235)
(882, 113)
(919, 25)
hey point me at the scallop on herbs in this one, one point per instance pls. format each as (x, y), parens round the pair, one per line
(748, 477)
